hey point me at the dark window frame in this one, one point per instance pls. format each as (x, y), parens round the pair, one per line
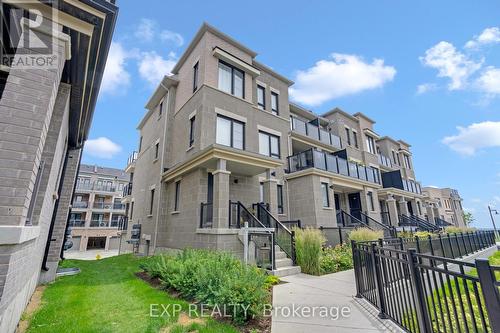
(195, 76)
(355, 137)
(140, 144)
(370, 142)
(269, 136)
(232, 130)
(347, 132)
(157, 150)
(151, 203)
(191, 130)
(324, 191)
(275, 111)
(263, 104)
(177, 195)
(160, 110)
(279, 194)
(233, 69)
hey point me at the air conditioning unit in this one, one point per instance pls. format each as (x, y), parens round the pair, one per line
(102, 224)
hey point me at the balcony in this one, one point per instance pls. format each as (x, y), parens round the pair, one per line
(102, 205)
(117, 222)
(385, 161)
(104, 188)
(127, 190)
(131, 161)
(395, 180)
(315, 132)
(313, 158)
(118, 206)
(80, 204)
(77, 223)
(84, 186)
(99, 223)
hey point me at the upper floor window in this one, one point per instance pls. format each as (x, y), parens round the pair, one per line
(371, 144)
(152, 201)
(160, 109)
(261, 97)
(269, 144)
(195, 76)
(348, 134)
(140, 144)
(230, 132)
(191, 131)
(355, 137)
(231, 80)
(157, 149)
(407, 161)
(274, 104)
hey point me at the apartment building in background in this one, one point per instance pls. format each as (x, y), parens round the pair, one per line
(97, 214)
(53, 55)
(221, 143)
(444, 205)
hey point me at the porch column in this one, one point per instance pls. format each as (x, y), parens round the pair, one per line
(221, 195)
(403, 207)
(271, 192)
(393, 211)
(430, 213)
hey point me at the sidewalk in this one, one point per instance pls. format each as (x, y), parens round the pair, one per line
(90, 254)
(332, 290)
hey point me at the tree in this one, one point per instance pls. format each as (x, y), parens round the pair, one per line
(468, 218)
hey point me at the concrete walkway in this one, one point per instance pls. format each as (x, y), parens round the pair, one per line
(333, 291)
(90, 254)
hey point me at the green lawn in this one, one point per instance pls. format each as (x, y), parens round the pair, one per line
(107, 297)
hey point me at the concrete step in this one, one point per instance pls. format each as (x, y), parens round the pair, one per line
(279, 255)
(286, 271)
(283, 262)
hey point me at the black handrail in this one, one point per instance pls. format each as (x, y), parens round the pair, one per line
(347, 220)
(425, 224)
(440, 222)
(378, 225)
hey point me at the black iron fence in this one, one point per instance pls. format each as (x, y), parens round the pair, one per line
(426, 292)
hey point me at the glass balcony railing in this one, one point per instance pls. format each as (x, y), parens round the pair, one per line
(84, 186)
(412, 186)
(384, 160)
(313, 158)
(102, 205)
(132, 158)
(315, 132)
(118, 206)
(99, 223)
(80, 204)
(127, 190)
(77, 223)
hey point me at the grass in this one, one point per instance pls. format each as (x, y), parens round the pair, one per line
(107, 297)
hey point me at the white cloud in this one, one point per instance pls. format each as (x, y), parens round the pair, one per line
(488, 36)
(426, 87)
(342, 75)
(474, 137)
(115, 78)
(450, 63)
(102, 147)
(153, 67)
(146, 30)
(489, 81)
(170, 36)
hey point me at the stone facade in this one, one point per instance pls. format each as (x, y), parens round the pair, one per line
(444, 204)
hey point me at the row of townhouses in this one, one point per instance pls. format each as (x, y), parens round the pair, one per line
(53, 55)
(220, 136)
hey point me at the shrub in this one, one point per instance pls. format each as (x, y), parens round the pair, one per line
(213, 278)
(423, 234)
(271, 280)
(336, 259)
(453, 229)
(365, 234)
(308, 246)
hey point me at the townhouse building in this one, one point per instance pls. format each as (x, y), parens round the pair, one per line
(52, 59)
(97, 213)
(221, 144)
(444, 206)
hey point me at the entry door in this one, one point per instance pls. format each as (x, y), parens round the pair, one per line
(355, 205)
(337, 202)
(410, 208)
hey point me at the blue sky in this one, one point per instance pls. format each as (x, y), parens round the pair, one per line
(428, 72)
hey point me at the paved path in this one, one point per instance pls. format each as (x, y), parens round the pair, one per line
(333, 291)
(90, 254)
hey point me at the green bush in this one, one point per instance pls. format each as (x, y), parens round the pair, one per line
(271, 280)
(422, 234)
(365, 234)
(213, 278)
(336, 259)
(453, 229)
(308, 247)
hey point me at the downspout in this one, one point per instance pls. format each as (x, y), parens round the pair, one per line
(162, 164)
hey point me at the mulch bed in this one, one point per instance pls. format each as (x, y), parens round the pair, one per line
(257, 325)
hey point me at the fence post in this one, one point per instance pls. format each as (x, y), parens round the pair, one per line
(417, 243)
(458, 246)
(463, 242)
(423, 318)
(357, 265)
(490, 292)
(378, 282)
(430, 244)
(443, 254)
(469, 239)
(451, 247)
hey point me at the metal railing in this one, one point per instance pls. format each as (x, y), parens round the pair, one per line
(345, 219)
(440, 222)
(385, 218)
(428, 293)
(284, 237)
(312, 158)
(315, 132)
(384, 160)
(77, 223)
(104, 188)
(239, 214)
(117, 222)
(99, 223)
(102, 205)
(389, 231)
(118, 206)
(336, 235)
(412, 186)
(206, 215)
(80, 204)
(132, 158)
(264, 250)
(292, 224)
(84, 186)
(127, 190)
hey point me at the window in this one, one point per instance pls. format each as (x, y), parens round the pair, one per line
(269, 144)
(195, 77)
(157, 150)
(261, 97)
(407, 161)
(280, 199)
(151, 203)
(355, 137)
(370, 201)
(191, 131)
(230, 132)
(370, 144)
(399, 161)
(394, 157)
(324, 193)
(160, 109)
(140, 144)
(274, 104)
(177, 194)
(419, 208)
(348, 134)
(261, 192)
(231, 80)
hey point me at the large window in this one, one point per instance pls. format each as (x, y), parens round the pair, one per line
(269, 144)
(324, 193)
(230, 132)
(261, 97)
(191, 131)
(355, 137)
(280, 199)
(371, 144)
(274, 103)
(195, 77)
(177, 195)
(231, 80)
(348, 135)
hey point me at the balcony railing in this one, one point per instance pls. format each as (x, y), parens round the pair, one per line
(315, 132)
(84, 186)
(384, 160)
(77, 223)
(127, 190)
(102, 205)
(117, 222)
(395, 179)
(99, 223)
(132, 158)
(96, 187)
(118, 206)
(412, 186)
(104, 188)
(80, 204)
(313, 158)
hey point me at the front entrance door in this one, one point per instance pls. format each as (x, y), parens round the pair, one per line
(355, 204)
(410, 208)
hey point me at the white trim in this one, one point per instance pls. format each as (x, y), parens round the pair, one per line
(152, 187)
(268, 130)
(192, 114)
(230, 115)
(15, 234)
(229, 58)
(262, 84)
(274, 90)
(324, 180)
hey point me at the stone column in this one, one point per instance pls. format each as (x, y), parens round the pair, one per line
(393, 211)
(271, 192)
(430, 213)
(221, 195)
(403, 207)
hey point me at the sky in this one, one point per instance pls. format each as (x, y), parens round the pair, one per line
(428, 72)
